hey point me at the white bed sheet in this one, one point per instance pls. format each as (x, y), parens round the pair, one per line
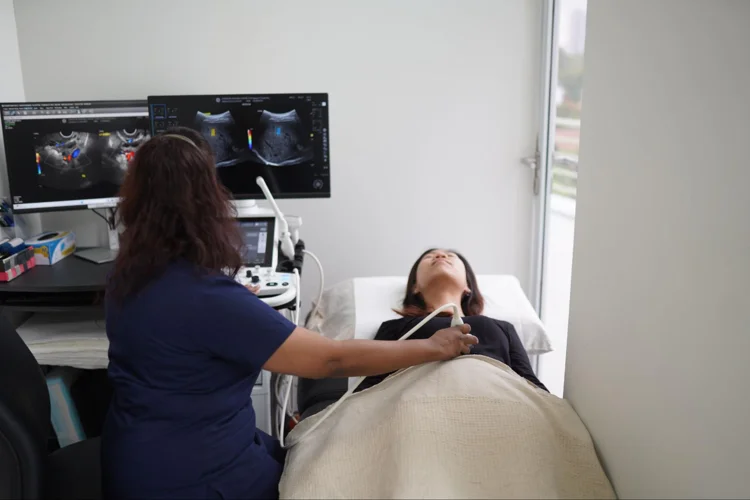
(376, 298)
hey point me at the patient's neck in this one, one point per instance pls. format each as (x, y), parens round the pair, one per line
(439, 296)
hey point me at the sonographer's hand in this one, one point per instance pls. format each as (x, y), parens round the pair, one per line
(451, 342)
(253, 288)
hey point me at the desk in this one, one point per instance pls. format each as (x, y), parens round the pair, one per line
(69, 275)
(72, 284)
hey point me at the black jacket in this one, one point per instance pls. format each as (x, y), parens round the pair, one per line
(497, 340)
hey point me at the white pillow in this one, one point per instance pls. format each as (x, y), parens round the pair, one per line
(355, 308)
(335, 314)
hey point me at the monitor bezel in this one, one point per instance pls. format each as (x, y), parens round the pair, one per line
(259, 196)
(92, 202)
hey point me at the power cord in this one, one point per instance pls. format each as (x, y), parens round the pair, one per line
(454, 322)
(316, 305)
(290, 378)
(288, 248)
(281, 412)
(297, 299)
(111, 219)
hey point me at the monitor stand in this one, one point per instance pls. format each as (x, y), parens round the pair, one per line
(98, 255)
(245, 204)
(102, 255)
(251, 208)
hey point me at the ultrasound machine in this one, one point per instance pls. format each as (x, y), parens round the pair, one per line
(272, 142)
(74, 155)
(260, 260)
(282, 138)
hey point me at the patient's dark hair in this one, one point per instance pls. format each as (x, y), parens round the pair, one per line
(472, 302)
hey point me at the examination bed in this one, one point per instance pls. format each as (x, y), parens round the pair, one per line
(315, 395)
(356, 308)
(432, 431)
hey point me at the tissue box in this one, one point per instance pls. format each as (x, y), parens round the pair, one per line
(52, 247)
(15, 265)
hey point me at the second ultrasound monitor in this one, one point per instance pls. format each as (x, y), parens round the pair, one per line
(281, 137)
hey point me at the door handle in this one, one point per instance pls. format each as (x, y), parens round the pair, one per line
(535, 164)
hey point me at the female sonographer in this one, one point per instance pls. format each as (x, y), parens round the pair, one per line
(187, 342)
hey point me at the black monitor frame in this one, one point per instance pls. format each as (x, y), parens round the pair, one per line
(305, 179)
(93, 109)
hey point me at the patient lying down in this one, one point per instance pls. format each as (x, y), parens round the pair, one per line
(432, 431)
(440, 277)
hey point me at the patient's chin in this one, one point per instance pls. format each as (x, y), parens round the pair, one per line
(445, 279)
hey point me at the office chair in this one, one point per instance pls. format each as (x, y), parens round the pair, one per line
(27, 470)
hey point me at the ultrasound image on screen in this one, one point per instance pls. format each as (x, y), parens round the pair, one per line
(222, 134)
(63, 155)
(119, 149)
(64, 161)
(78, 160)
(280, 137)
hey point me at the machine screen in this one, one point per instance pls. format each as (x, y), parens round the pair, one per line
(258, 237)
(281, 137)
(70, 155)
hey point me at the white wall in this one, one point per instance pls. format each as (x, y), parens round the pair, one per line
(432, 105)
(11, 82)
(11, 90)
(660, 311)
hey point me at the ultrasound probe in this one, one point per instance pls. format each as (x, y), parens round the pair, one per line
(455, 321)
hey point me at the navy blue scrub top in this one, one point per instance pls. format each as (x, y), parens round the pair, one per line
(184, 355)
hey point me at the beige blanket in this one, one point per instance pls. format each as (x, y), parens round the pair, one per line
(467, 428)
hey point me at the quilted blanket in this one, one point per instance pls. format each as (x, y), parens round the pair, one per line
(466, 428)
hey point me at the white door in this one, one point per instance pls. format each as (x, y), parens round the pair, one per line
(558, 174)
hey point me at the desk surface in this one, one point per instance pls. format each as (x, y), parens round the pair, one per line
(69, 275)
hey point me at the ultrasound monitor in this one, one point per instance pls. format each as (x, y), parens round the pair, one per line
(68, 155)
(258, 236)
(281, 137)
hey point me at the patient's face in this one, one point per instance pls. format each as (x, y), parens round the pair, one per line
(439, 268)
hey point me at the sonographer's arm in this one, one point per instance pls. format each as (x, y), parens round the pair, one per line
(311, 355)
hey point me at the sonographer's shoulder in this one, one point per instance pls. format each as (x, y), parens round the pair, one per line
(219, 286)
(206, 287)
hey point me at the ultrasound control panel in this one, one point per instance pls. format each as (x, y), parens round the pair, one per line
(280, 137)
(269, 283)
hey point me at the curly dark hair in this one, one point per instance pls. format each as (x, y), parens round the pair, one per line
(472, 302)
(173, 206)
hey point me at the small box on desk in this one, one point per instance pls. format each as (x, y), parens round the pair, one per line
(17, 264)
(52, 247)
